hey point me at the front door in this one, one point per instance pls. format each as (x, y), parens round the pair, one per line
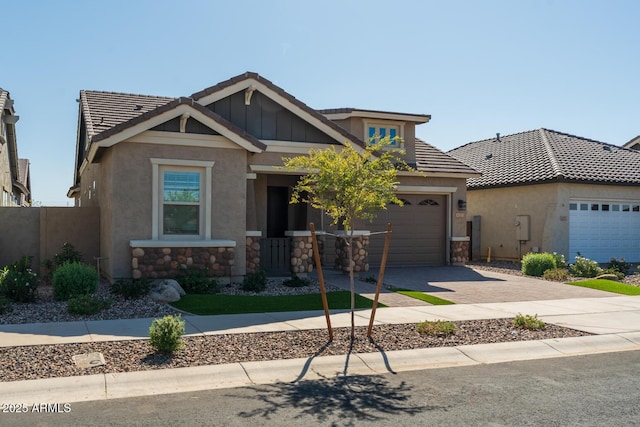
(277, 211)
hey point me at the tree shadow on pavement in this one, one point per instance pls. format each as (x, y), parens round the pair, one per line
(340, 401)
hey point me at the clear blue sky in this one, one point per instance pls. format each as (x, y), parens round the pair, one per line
(478, 67)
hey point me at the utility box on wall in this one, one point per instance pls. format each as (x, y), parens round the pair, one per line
(523, 232)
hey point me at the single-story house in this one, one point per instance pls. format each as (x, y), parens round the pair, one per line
(195, 181)
(549, 191)
(15, 178)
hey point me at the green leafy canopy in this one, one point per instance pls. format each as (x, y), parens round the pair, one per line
(347, 183)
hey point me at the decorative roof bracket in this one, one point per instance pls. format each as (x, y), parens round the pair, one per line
(248, 92)
(183, 122)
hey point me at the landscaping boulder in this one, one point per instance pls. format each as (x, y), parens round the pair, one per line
(165, 290)
(608, 277)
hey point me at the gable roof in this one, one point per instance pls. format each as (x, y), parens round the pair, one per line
(634, 143)
(429, 159)
(544, 155)
(254, 81)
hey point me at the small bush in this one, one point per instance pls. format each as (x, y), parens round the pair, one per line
(438, 328)
(130, 288)
(371, 279)
(559, 259)
(256, 282)
(529, 322)
(68, 254)
(619, 265)
(5, 305)
(74, 279)
(18, 283)
(296, 282)
(166, 334)
(584, 267)
(196, 282)
(534, 264)
(87, 304)
(557, 274)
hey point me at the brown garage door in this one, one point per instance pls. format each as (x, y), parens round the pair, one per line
(419, 232)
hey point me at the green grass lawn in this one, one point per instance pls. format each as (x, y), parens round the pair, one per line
(234, 304)
(422, 296)
(608, 285)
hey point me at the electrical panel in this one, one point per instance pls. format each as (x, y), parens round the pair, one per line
(523, 231)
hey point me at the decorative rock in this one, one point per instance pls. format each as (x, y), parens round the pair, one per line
(164, 291)
(608, 277)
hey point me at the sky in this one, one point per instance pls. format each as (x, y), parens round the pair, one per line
(477, 67)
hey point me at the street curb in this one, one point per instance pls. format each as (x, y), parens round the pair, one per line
(179, 380)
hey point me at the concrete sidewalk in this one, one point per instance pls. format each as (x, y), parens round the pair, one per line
(615, 320)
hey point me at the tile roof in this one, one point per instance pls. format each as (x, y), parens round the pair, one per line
(104, 110)
(429, 159)
(545, 155)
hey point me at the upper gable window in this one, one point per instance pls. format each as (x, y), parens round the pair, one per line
(377, 131)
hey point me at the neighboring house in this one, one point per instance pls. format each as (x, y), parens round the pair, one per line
(548, 191)
(196, 181)
(634, 143)
(14, 172)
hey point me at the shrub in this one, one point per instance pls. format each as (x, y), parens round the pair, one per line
(74, 279)
(131, 288)
(166, 334)
(196, 282)
(529, 322)
(296, 282)
(5, 305)
(68, 254)
(438, 328)
(534, 264)
(619, 265)
(557, 274)
(87, 304)
(18, 283)
(584, 267)
(256, 282)
(559, 259)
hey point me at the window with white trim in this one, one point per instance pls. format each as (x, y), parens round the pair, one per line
(374, 132)
(181, 202)
(181, 199)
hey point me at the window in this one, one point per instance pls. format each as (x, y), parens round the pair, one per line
(181, 202)
(377, 131)
(181, 199)
(428, 202)
(573, 206)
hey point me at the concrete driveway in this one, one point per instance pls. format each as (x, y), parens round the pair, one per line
(465, 285)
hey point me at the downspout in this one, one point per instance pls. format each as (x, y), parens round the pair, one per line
(449, 229)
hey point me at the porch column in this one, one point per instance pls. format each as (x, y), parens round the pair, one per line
(253, 251)
(360, 251)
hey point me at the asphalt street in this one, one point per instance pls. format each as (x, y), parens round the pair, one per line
(590, 390)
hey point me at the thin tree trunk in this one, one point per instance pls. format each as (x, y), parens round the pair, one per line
(352, 284)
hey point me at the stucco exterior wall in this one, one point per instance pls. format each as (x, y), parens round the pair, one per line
(128, 187)
(548, 207)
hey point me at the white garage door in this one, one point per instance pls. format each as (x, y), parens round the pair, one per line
(602, 230)
(419, 232)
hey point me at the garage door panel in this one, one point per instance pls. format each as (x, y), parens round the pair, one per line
(600, 230)
(419, 232)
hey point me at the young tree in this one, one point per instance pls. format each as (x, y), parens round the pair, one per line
(348, 184)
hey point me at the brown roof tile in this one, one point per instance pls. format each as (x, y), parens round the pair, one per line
(431, 159)
(545, 155)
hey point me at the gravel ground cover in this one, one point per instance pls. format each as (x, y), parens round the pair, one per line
(33, 362)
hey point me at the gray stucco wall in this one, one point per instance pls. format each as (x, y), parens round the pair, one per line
(129, 208)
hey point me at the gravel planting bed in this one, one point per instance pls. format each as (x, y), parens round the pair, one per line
(33, 362)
